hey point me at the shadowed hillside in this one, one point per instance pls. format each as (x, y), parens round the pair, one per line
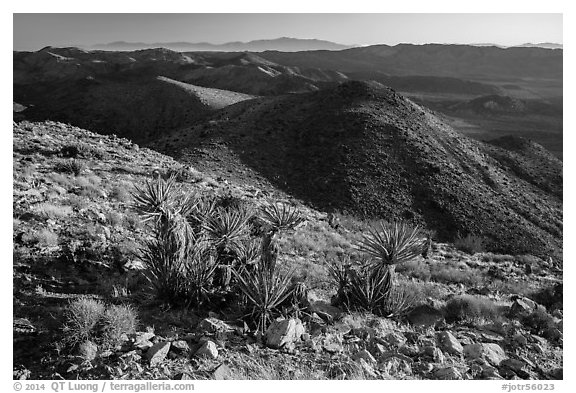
(365, 149)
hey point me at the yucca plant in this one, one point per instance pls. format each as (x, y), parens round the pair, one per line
(265, 290)
(226, 229)
(280, 216)
(369, 288)
(200, 271)
(392, 244)
(400, 301)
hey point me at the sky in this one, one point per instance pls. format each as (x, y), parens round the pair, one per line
(35, 31)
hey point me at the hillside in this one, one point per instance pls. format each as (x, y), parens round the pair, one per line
(364, 149)
(76, 242)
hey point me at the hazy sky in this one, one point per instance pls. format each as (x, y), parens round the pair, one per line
(35, 31)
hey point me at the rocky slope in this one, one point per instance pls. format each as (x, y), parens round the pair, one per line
(363, 148)
(75, 234)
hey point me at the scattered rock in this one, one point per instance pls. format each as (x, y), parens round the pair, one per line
(489, 372)
(449, 343)
(213, 325)
(157, 353)
(207, 350)
(282, 332)
(448, 373)
(180, 347)
(222, 372)
(493, 353)
(515, 365)
(326, 311)
(522, 307)
(364, 354)
(411, 350)
(395, 339)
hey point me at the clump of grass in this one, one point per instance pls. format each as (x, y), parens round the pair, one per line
(121, 193)
(468, 308)
(114, 218)
(71, 166)
(82, 318)
(118, 321)
(42, 238)
(50, 210)
(470, 244)
(449, 274)
(91, 320)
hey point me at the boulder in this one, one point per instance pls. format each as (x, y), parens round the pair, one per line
(207, 350)
(448, 373)
(325, 310)
(491, 352)
(449, 343)
(180, 347)
(515, 365)
(222, 372)
(522, 307)
(284, 331)
(157, 353)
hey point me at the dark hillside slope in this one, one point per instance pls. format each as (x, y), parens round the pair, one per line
(365, 149)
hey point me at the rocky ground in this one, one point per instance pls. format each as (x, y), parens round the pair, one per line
(480, 316)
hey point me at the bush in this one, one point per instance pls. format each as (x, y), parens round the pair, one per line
(72, 166)
(50, 210)
(82, 318)
(118, 320)
(470, 244)
(467, 308)
(42, 238)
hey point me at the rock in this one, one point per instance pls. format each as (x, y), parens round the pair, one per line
(449, 343)
(515, 365)
(364, 354)
(157, 353)
(207, 350)
(88, 350)
(520, 340)
(411, 350)
(395, 339)
(552, 334)
(222, 372)
(324, 310)
(489, 372)
(213, 325)
(493, 353)
(282, 332)
(395, 366)
(425, 316)
(522, 307)
(448, 373)
(557, 373)
(180, 346)
(422, 367)
(434, 353)
(367, 368)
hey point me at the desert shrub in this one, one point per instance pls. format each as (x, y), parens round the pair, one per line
(50, 210)
(470, 308)
(470, 244)
(71, 166)
(550, 297)
(539, 321)
(400, 300)
(415, 268)
(118, 320)
(448, 274)
(121, 193)
(43, 238)
(114, 218)
(82, 318)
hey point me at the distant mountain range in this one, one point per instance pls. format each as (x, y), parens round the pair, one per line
(284, 44)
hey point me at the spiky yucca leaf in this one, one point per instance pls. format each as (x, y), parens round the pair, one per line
(281, 216)
(369, 288)
(392, 244)
(155, 198)
(265, 290)
(226, 229)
